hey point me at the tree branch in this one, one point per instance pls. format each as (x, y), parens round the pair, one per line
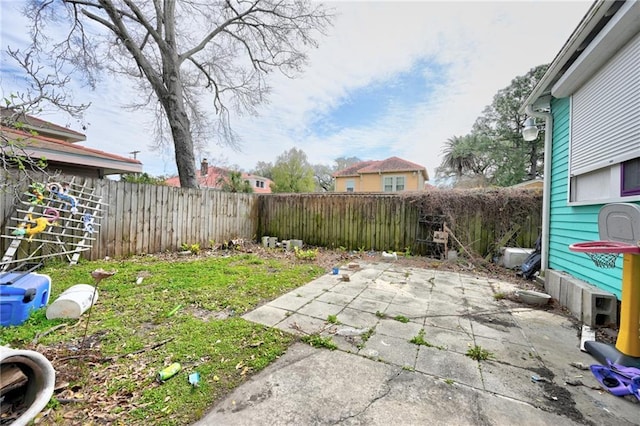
(182, 57)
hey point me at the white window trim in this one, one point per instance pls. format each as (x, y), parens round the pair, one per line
(394, 183)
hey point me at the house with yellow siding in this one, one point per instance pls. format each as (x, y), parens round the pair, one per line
(391, 175)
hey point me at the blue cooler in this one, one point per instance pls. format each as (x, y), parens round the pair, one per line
(21, 293)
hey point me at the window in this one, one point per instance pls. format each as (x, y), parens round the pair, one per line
(604, 148)
(393, 183)
(259, 184)
(351, 185)
(630, 176)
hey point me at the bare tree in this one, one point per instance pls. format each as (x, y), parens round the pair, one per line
(178, 50)
(44, 89)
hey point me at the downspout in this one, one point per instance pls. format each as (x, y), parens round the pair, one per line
(546, 191)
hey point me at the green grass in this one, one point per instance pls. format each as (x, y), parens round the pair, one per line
(169, 305)
(401, 318)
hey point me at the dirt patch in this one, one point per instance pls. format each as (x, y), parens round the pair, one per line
(557, 399)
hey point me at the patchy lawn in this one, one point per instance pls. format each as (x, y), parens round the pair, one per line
(184, 310)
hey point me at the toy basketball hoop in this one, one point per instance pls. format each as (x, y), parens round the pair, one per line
(604, 253)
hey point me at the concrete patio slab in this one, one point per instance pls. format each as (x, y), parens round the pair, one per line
(380, 378)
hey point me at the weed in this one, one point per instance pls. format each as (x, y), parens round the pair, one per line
(419, 340)
(401, 318)
(333, 319)
(366, 336)
(408, 368)
(407, 252)
(449, 381)
(381, 314)
(499, 295)
(310, 254)
(478, 353)
(318, 341)
(193, 248)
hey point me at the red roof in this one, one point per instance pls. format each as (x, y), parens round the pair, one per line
(57, 148)
(215, 174)
(391, 164)
(42, 126)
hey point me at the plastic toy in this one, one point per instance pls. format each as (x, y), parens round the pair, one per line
(41, 225)
(88, 221)
(62, 192)
(36, 196)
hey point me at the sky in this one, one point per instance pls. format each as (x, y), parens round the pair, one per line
(390, 78)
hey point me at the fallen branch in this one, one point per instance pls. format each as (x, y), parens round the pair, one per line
(448, 230)
(145, 349)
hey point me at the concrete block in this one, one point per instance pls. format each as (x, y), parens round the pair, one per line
(564, 285)
(265, 242)
(514, 257)
(552, 283)
(599, 307)
(574, 297)
(296, 243)
(589, 304)
(272, 242)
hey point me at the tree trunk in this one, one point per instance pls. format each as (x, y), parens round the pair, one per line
(182, 140)
(173, 103)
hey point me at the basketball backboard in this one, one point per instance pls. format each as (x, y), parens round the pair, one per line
(620, 222)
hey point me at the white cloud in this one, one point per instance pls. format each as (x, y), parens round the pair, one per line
(483, 45)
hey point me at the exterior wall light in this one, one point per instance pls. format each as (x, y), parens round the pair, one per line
(530, 131)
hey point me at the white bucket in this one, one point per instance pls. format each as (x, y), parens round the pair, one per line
(73, 302)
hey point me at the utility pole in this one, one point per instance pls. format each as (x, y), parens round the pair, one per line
(134, 153)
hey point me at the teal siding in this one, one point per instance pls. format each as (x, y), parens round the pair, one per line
(569, 224)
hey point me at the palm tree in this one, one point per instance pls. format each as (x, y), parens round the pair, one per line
(458, 155)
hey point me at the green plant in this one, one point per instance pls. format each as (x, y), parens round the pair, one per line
(401, 318)
(420, 340)
(478, 353)
(499, 295)
(318, 341)
(366, 336)
(193, 248)
(310, 254)
(381, 314)
(407, 252)
(449, 381)
(333, 319)
(408, 368)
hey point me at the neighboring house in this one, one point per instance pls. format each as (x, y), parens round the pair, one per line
(211, 177)
(590, 101)
(391, 175)
(60, 147)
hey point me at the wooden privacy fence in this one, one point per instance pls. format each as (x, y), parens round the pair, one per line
(480, 219)
(140, 218)
(143, 219)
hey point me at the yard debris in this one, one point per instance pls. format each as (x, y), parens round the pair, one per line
(579, 365)
(535, 378)
(389, 256)
(345, 277)
(194, 379)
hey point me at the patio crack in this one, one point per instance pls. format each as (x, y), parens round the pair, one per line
(375, 399)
